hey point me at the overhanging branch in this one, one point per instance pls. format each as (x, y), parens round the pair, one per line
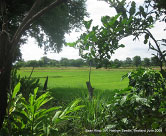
(29, 19)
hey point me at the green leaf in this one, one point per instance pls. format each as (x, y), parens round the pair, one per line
(35, 92)
(16, 90)
(56, 119)
(39, 113)
(46, 128)
(42, 100)
(132, 9)
(31, 102)
(92, 52)
(162, 110)
(124, 120)
(78, 108)
(104, 20)
(145, 41)
(23, 116)
(25, 113)
(155, 125)
(147, 36)
(25, 103)
(44, 112)
(75, 103)
(129, 20)
(124, 21)
(112, 21)
(141, 9)
(64, 112)
(123, 100)
(31, 99)
(150, 19)
(71, 44)
(122, 45)
(88, 23)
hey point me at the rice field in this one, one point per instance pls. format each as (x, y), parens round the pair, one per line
(103, 79)
(67, 84)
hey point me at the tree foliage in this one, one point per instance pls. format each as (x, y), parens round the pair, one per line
(158, 4)
(128, 62)
(140, 106)
(50, 28)
(146, 62)
(47, 21)
(137, 61)
(101, 42)
(32, 117)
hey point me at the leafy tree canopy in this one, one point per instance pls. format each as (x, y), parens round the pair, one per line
(50, 28)
(101, 42)
(159, 4)
(137, 61)
(146, 62)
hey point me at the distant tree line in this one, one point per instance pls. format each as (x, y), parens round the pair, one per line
(136, 61)
(45, 62)
(65, 62)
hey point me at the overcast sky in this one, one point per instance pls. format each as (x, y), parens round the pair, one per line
(96, 9)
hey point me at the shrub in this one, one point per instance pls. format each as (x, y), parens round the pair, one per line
(142, 105)
(92, 115)
(27, 84)
(29, 117)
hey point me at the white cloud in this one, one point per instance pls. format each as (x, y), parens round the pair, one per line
(31, 51)
(68, 52)
(131, 49)
(97, 9)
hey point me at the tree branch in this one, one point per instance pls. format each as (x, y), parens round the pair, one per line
(143, 31)
(27, 17)
(25, 25)
(158, 47)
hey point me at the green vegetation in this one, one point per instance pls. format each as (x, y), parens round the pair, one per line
(64, 62)
(121, 109)
(47, 22)
(104, 79)
(65, 106)
(32, 116)
(142, 105)
(69, 83)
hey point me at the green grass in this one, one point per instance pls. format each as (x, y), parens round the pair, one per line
(67, 84)
(76, 77)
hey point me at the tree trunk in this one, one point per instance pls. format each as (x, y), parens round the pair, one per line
(90, 90)
(5, 70)
(8, 47)
(4, 87)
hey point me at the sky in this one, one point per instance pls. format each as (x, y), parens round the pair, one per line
(96, 9)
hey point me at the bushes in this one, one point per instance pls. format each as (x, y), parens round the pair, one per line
(93, 115)
(27, 84)
(30, 117)
(142, 105)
